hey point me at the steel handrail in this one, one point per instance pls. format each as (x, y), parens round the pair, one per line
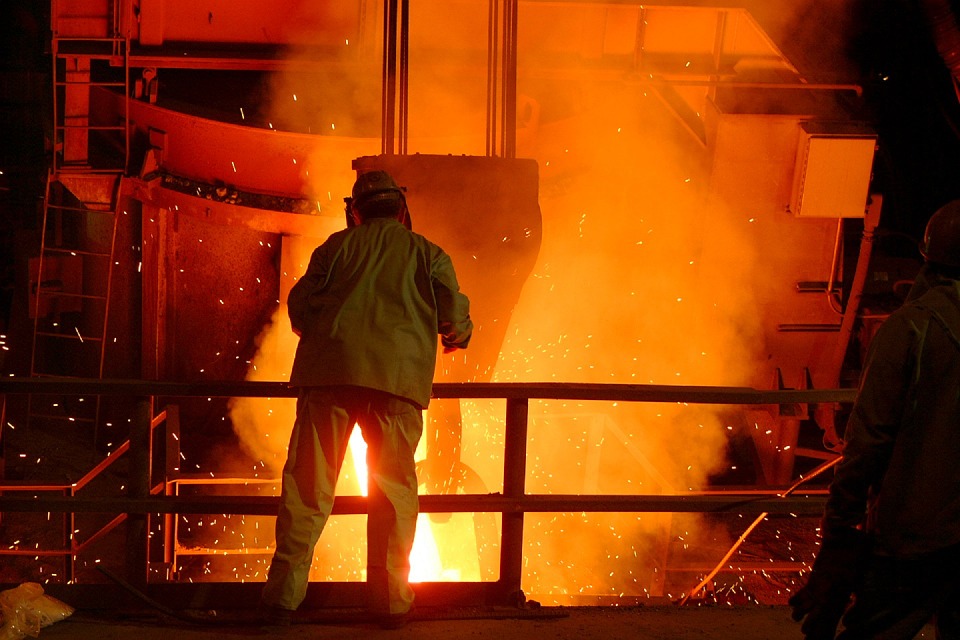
(141, 499)
(508, 390)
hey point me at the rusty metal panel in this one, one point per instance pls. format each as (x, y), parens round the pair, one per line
(752, 168)
(81, 18)
(249, 158)
(317, 24)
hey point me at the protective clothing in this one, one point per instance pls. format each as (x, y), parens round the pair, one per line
(898, 596)
(368, 311)
(902, 442)
(836, 573)
(374, 323)
(899, 478)
(391, 427)
(941, 239)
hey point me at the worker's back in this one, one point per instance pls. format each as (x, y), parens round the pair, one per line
(369, 308)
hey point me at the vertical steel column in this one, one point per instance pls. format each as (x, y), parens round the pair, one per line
(140, 474)
(396, 62)
(403, 76)
(493, 63)
(509, 137)
(640, 43)
(171, 463)
(389, 102)
(69, 540)
(718, 44)
(514, 486)
(502, 78)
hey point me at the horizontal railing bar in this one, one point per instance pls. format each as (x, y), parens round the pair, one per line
(191, 480)
(742, 567)
(539, 390)
(235, 551)
(89, 127)
(27, 486)
(68, 209)
(46, 293)
(77, 252)
(40, 553)
(66, 336)
(81, 83)
(807, 504)
(104, 39)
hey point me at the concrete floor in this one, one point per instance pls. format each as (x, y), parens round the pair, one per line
(662, 623)
(667, 622)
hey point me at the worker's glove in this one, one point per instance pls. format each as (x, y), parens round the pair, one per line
(836, 572)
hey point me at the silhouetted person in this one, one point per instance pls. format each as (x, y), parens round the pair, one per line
(368, 311)
(891, 528)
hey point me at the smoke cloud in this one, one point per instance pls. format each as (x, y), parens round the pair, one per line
(643, 277)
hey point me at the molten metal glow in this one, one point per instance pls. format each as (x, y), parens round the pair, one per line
(646, 274)
(425, 565)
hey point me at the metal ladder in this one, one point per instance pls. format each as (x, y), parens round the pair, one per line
(70, 279)
(70, 287)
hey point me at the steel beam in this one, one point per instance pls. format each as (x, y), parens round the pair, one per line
(539, 390)
(810, 503)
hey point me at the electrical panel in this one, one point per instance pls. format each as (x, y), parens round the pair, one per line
(833, 170)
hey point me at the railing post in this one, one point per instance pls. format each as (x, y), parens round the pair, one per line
(171, 474)
(139, 477)
(69, 541)
(514, 480)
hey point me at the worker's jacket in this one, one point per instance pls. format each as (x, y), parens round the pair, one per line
(902, 451)
(369, 309)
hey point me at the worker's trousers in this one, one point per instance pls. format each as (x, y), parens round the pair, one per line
(899, 596)
(391, 428)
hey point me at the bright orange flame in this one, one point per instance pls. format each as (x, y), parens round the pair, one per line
(425, 564)
(358, 451)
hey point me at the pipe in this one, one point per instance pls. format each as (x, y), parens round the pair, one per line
(831, 281)
(825, 416)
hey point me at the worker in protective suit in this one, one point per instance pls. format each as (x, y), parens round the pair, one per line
(368, 311)
(891, 527)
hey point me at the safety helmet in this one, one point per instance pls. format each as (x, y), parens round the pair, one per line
(941, 240)
(376, 194)
(375, 186)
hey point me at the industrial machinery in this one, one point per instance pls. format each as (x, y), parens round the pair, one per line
(631, 192)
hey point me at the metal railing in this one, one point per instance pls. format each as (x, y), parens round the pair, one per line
(143, 497)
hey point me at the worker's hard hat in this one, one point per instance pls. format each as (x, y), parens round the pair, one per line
(941, 240)
(375, 186)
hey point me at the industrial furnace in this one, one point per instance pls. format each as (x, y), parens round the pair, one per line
(640, 193)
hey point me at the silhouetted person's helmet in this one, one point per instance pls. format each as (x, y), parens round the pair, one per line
(941, 240)
(376, 195)
(375, 187)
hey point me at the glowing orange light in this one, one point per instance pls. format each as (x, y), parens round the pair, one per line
(425, 564)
